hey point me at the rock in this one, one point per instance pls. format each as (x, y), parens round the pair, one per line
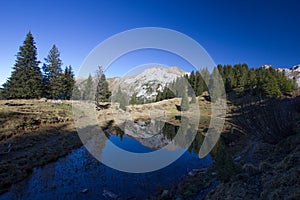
(191, 174)
(43, 99)
(109, 195)
(238, 158)
(85, 190)
(197, 171)
(201, 171)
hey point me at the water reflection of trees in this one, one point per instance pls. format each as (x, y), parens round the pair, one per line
(188, 132)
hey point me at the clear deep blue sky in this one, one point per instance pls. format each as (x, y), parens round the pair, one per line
(255, 32)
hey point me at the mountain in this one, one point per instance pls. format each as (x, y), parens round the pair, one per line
(293, 72)
(148, 83)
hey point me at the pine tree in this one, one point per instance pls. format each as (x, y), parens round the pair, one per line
(121, 98)
(193, 100)
(252, 81)
(26, 78)
(88, 93)
(76, 93)
(102, 92)
(133, 99)
(192, 83)
(68, 82)
(184, 102)
(53, 77)
(215, 85)
(205, 79)
(270, 86)
(198, 84)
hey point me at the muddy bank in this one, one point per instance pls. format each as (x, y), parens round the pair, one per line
(258, 156)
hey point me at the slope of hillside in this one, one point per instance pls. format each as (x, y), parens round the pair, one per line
(265, 145)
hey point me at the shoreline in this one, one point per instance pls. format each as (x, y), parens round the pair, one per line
(41, 132)
(35, 149)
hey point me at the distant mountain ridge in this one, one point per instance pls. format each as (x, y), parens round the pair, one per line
(148, 83)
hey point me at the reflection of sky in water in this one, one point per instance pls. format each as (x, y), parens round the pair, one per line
(66, 178)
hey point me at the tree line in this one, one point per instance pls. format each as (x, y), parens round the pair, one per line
(266, 82)
(27, 81)
(93, 89)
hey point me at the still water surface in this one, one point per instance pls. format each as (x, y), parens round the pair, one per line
(70, 175)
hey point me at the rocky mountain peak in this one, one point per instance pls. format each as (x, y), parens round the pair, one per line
(149, 82)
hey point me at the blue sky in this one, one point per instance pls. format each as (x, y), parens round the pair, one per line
(255, 32)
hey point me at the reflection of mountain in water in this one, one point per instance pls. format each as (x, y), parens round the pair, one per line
(157, 134)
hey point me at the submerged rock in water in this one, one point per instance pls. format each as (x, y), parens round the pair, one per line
(109, 195)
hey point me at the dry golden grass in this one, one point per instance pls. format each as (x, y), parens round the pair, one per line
(17, 116)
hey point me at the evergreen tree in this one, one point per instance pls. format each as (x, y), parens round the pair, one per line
(68, 82)
(53, 77)
(102, 92)
(193, 100)
(121, 98)
(88, 93)
(252, 81)
(228, 78)
(133, 99)
(215, 87)
(184, 102)
(205, 77)
(1, 94)
(192, 83)
(26, 78)
(268, 83)
(76, 93)
(199, 85)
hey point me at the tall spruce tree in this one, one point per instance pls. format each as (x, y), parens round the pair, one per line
(68, 82)
(121, 98)
(205, 76)
(102, 92)
(215, 85)
(133, 99)
(26, 78)
(88, 93)
(185, 102)
(76, 93)
(53, 77)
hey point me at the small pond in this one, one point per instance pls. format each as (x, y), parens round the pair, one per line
(70, 175)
